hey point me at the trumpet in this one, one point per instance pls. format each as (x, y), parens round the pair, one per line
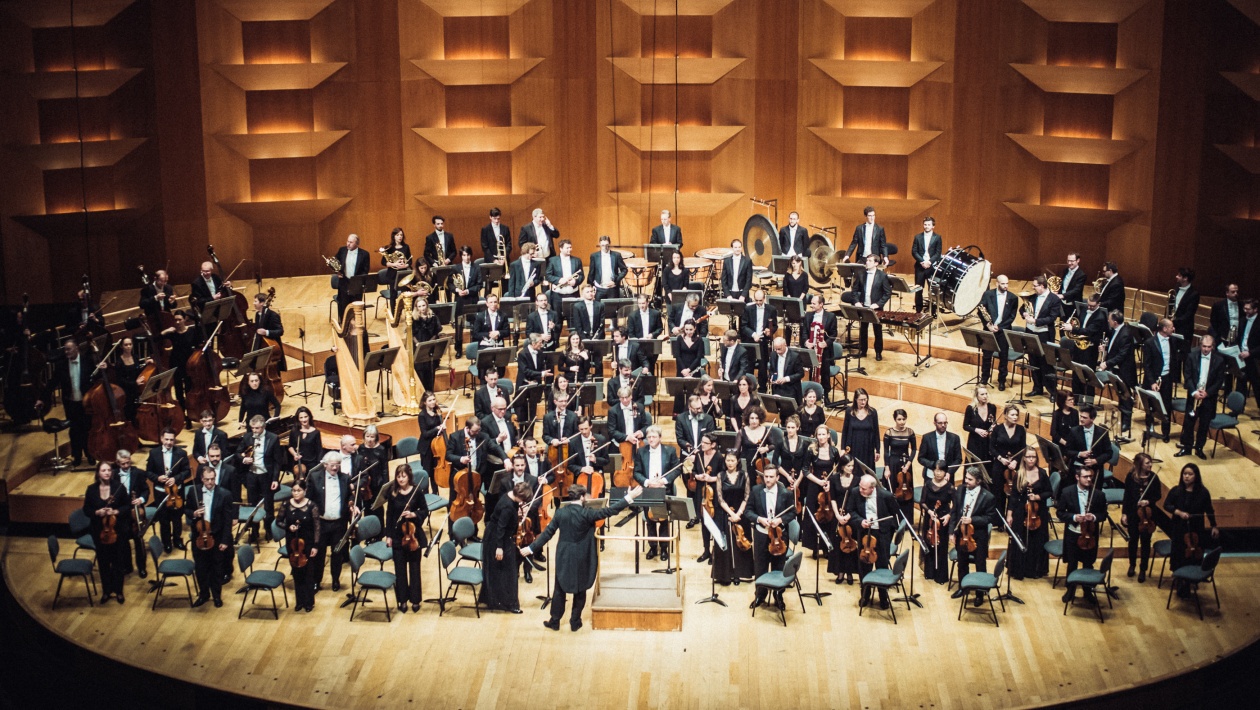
(333, 264)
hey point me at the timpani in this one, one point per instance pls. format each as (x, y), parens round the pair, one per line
(641, 273)
(699, 268)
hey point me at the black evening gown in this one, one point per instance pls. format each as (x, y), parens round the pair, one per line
(733, 564)
(820, 468)
(796, 286)
(499, 591)
(973, 422)
(862, 437)
(675, 282)
(1034, 562)
(839, 562)
(735, 412)
(811, 422)
(936, 558)
(309, 447)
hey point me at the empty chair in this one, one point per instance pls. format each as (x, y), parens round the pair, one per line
(1194, 576)
(407, 447)
(1228, 419)
(458, 577)
(1089, 580)
(166, 569)
(363, 583)
(70, 568)
(985, 582)
(1161, 548)
(777, 581)
(462, 531)
(370, 527)
(259, 580)
(79, 526)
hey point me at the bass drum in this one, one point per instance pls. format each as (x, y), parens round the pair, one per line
(761, 240)
(961, 278)
(818, 251)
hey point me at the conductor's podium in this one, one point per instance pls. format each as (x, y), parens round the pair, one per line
(646, 602)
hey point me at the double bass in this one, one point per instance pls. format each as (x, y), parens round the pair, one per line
(206, 392)
(24, 378)
(111, 430)
(270, 374)
(161, 412)
(234, 341)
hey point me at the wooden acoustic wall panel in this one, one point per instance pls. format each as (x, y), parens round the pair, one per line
(1245, 155)
(476, 72)
(1101, 11)
(499, 139)
(1079, 80)
(880, 8)
(474, 8)
(862, 72)
(1084, 219)
(68, 156)
(874, 141)
(279, 212)
(44, 14)
(849, 209)
(86, 84)
(274, 77)
(689, 138)
(478, 204)
(697, 204)
(1062, 149)
(1248, 82)
(1250, 8)
(668, 8)
(259, 146)
(687, 70)
(274, 10)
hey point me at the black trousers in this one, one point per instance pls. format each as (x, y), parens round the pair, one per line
(764, 562)
(258, 488)
(1137, 540)
(1165, 395)
(208, 568)
(655, 529)
(1088, 357)
(1194, 429)
(141, 553)
(112, 561)
(558, 604)
(1042, 369)
(303, 587)
(80, 423)
(406, 573)
(1075, 557)
(980, 557)
(1003, 355)
(170, 522)
(883, 538)
(330, 533)
(879, 338)
(920, 279)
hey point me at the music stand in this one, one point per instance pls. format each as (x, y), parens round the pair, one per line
(782, 407)
(790, 309)
(1155, 414)
(986, 345)
(491, 272)
(650, 348)
(1053, 455)
(677, 509)
(725, 440)
(358, 286)
(725, 390)
(659, 253)
(255, 361)
(498, 358)
(586, 395)
(156, 385)
(848, 271)
(680, 296)
(817, 595)
(445, 312)
(299, 321)
(809, 355)
(613, 306)
(677, 387)
(380, 362)
(1089, 377)
(1026, 344)
(720, 540)
(1060, 357)
(431, 351)
(860, 314)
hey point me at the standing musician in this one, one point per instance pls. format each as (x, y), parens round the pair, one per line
(331, 492)
(207, 502)
(871, 290)
(208, 287)
(1157, 375)
(1093, 327)
(224, 474)
(584, 447)
(372, 452)
(1087, 444)
(706, 472)
(84, 318)
(1032, 488)
(485, 395)
(261, 455)
(796, 281)
(541, 233)
(875, 510)
(206, 436)
(769, 506)
(730, 501)
(734, 359)
(73, 377)
(868, 238)
(1249, 346)
(607, 269)
(938, 506)
(1078, 504)
(498, 426)
(666, 232)
(267, 324)
(516, 471)
(1188, 504)
(496, 241)
(786, 371)
(1040, 317)
(691, 426)
(165, 465)
(1204, 376)
(1111, 295)
(300, 519)
(425, 327)
(1001, 306)
(397, 245)
(1116, 357)
(157, 297)
(792, 452)
(645, 323)
(432, 425)
(576, 557)
(627, 379)
(523, 276)
(826, 321)
(940, 444)
(185, 338)
(688, 349)
(490, 324)
(136, 486)
(560, 423)
(544, 322)
(1182, 307)
(627, 420)
(1142, 490)
(439, 245)
(471, 448)
(499, 592)
(1225, 322)
(564, 273)
(757, 327)
(977, 507)
(531, 370)
(1007, 443)
(106, 500)
(680, 313)
(926, 252)
(403, 503)
(1072, 288)
(656, 466)
(792, 237)
(586, 318)
(737, 273)
(465, 294)
(354, 262)
(624, 350)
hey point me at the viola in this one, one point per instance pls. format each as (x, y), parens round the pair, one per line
(825, 514)
(934, 531)
(741, 539)
(1193, 549)
(868, 555)
(707, 503)
(297, 553)
(967, 537)
(778, 546)
(204, 540)
(109, 525)
(1146, 520)
(408, 526)
(174, 499)
(1008, 484)
(525, 533)
(903, 487)
(1032, 517)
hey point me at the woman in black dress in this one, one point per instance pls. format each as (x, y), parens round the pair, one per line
(688, 351)
(796, 281)
(842, 484)
(860, 433)
(500, 552)
(900, 446)
(938, 504)
(1031, 486)
(817, 465)
(1188, 504)
(745, 398)
(1065, 418)
(978, 420)
(431, 426)
(425, 327)
(106, 498)
(1007, 442)
(707, 470)
(675, 277)
(710, 404)
(793, 455)
(576, 359)
(562, 384)
(736, 563)
(404, 503)
(811, 415)
(184, 338)
(1142, 489)
(256, 399)
(305, 445)
(298, 518)
(755, 440)
(127, 369)
(397, 242)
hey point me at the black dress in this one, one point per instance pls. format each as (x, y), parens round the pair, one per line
(1034, 562)
(811, 422)
(304, 518)
(713, 408)
(500, 588)
(861, 436)
(819, 463)
(735, 412)
(674, 282)
(406, 562)
(585, 366)
(733, 564)
(838, 562)
(125, 377)
(429, 424)
(422, 331)
(796, 286)
(261, 402)
(112, 558)
(936, 558)
(792, 459)
(973, 422)
(1198, 503)
(1062, 424)
(688, 357)
(1010, 446)
(899, 448)
(309, 446)
(405, 249)
(748, 445)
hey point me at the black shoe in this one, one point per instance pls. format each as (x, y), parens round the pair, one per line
(415, 607)
(1182, 452)
(778, 604)
(575, 625)
(552, 624)
(318, 587)
(879, 357)
(1001, 387)
(1202, 456)
(957, 595)
(517, 610)
(1142, 576)
(119, 598)
(529, 577)
(755, 603)
(1132, 570)
(540, 557)
(664, 556)
(977, 600)
(865, 601)
(200, 601)
(402, 608)
(883, 604)
(167, 546)
(703, 558)
(336, 585)
(651, 554)
(692, 523)
(1067, 597)
(143, 574)
(179, 545)
(105, 598)
(218, 603)
(850, 580)
(1091, 599)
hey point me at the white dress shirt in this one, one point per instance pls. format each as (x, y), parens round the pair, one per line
(332, 496)
(866, 240)
(352, 259)
(207, 502)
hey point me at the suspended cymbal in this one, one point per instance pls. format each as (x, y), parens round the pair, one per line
(819, 250)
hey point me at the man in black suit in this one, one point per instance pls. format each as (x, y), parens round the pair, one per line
(656, 466)
(926, 252)
(1185, 304)
(354, 262)
(691, 425)
(793, 237)
(137, 486)
(466, 294)
(1078, 504)
(560, 424)
(530, 370)
(329, 489)
(875, 512)
(224, 474)
(1158, 373)
(564, 273)
(624, 350)
(785, 371)
(1204, 376)
(206, 501)
(975, 506)
(940, 445)
(524, 275)
(1000, 305)
(498, 425)
(586, 318)
(871, 289)
(625, 377)
(472, 448)
(1092, 325)
(666, 233)
(736, 273)
(1224, 325)
(541, 233)
(490, 325)
(157, 297)
(206, 435)
(645, 323)
(262, 470)
(585, 448)
(72, 375)
(168, 463)
(207, 288)
(769, 505)
(757, 328)
(267, 324)
(496, 240)
(607, 269)
(486, 393)
(1249, 345)
(680, 313)
(1072, 289)
(1088, 444)
(627, 420)
(545, 323)
(820, 317)
(439, 245)
(1043, 312)
(868, 238)
(1120, 363)
(1112, 294)
(734, 360)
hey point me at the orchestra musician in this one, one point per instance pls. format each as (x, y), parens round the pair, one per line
(1224, 325)
(976, 506)
(770, 505)
(926, 252)
(584, 447)
(979, 420)
(185, 338)
(1087, 444)
(826, 321)
(1093, 327)
(496, 240)
(331, 491)
(206, 501)
(354, 262)
(136, 486)
(666, 232)
(730, 502)
(1188, 504)
(471, 448)
(1072, 288)
(1064, 419)
(530, 369)
(104, 498)
(736, 273)
(706, 467)
(576, 361)
(260, 454)
(545, 323)
(404, 504)
(1075, 506)
(524, 276)
(875, 511)
(1007, 443)
(73, 376)
(85, 320)
(900, 449)
(656, 466)
(257, 400)
(645, 323)
(432, 425)
(1040, 317)
(486, 394)
(541, 233)
(1117, 359)
(224, 476)
(796, 281)
(1001, 306)
(465, 294)
(1249, 346)
(758, 326)
(860, 431)
(168, 463)
(439, 245)
(793, 455)
(680, 313)
(560, 423)
(1111, 295)
(938, 506)
(564, 273)
(810, 413)
(208, 287)
(499, 592)
(734, 359)
(607, 269)
(745, 398)
(425, 327)
(206, 436)
(710, 403)
(586, 318)
(268, 324)
(157, 297)
(630, 380)
(674, 276)
(369, 453)
(498, 426)
(792, 237)
(397, 244)
(624, 350)
(1183, 307)
(940, 444)
(1157, 372)
(868, 238)
(490, 324)
(755, 441)
(1204, 376)
(1032, 486)
(627, 420)
(300, 519)
(1142, 489)
(688, 349)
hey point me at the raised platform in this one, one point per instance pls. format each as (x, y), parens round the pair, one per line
(642, 602)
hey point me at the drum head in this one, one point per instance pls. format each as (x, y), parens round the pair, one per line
(818, 250)
(761, 240)
(971, 288)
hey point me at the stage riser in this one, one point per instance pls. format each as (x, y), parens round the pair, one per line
(636, 620)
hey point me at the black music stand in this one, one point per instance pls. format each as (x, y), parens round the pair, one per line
(156, 385)
(782, 407)
(491, 272)
(299, 321)
(1028, 345)
(858, 314)
(1010, 532)
(900, 285)
(725, 440)
(380, 362)
(677, 510)
(445, 312)
(659, 253)
(911, 596)
(586, 395)
(359, 286)
(725, 390)
(817, 595)
(1053, 455)
(601, 349)
(720, 540)
(848, 272)
(1155, 414)
(431, 352)
(986, 345)
(507, 307)
(613, 306)
(790, 309)
(680, 297)
(1060, 358)
(1089, 377)
(439, 276)
(809, 355)
(650, 348)
(677, 387)
(498, 358)
(255, 361)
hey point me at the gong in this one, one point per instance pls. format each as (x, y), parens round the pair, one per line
(818, 251)
(761, 240)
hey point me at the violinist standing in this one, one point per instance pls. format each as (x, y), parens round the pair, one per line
(841, 484)
(770, 505)
(214, 505)
(206, 435)
(373, 458)
(502, 556)
(576, 557)
(300, 519)
(1188, 504)
(105, 498)
(1142, 489)
(262, 470)
(168, 463)
(404, 504)
(730, 502)
(137, 486)
(1077, 506)
(976, 506)
(938, 506)
(1032, 486)
(330, 490)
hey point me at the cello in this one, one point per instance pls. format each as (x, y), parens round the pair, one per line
(235, 339)
(111, 430)
(206, 392)
(271, 374)
(437, 447)
(464, 500)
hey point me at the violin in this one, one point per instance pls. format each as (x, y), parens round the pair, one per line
(934, 532)
(174, 499)
(1146, 516)
(109, 524)
(868, 555)
(825, 514)
(848, 543)
(1193, 549)
(1032, 517)
(967, 537)
(903, 488)
(741, 539)
(1088, 539)
(707, 503)
(297, 553)
(204, 541)
(778, 546)
(408, 526)
(525, 533)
